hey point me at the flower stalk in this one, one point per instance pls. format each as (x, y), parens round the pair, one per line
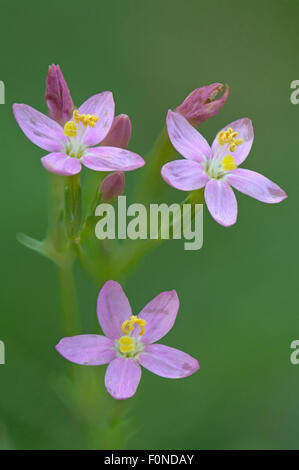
(68, 298)
(150, 187)
(127, 257)
(73, 207)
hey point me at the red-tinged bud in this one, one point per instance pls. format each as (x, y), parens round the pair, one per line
(120, 132)
(112, 186)
(57, 96)
(201, 104)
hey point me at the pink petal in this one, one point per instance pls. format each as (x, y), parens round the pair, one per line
(57, 96)
(221, 202)
(185, 139)
(87, 350)
(245, 131)
(61, 164)
(40, 129)
(185, 175)
(113, 309)
(120, 132)
(111, 159)
(168, 362)
(122, 378)
(101, 105)
(160, 314)
(256, 185)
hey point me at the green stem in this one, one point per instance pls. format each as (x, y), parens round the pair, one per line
(56, 240)
(73, 206)
(68, 297)
(90, 218)
(151, 184)
(132, 253)
(56, 231)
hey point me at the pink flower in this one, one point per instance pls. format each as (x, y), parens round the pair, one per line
(201, 104)
(73, 144)
(216, 167)
(128, 341)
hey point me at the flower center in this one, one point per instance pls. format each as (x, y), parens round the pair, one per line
(75, 130)
(128, 346)
(71, 128)
(222, 161)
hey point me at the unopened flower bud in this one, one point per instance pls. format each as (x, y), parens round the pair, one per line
(112, 186)
(57, 96)
(201, 104)
(120, 132)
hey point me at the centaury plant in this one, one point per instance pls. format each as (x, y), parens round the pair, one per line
(91, 136)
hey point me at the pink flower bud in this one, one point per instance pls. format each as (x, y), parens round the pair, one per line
(120, 132)
(57, 96)
(200, 105)
(112, 186)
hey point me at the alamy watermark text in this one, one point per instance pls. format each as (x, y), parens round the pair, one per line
(158, 221)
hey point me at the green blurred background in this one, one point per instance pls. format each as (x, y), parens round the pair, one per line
(239, 293)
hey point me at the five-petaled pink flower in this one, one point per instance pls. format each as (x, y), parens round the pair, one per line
(128, 341)
(73, 144)
(216, 167)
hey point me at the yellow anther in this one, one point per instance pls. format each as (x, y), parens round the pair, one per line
(141, 323)
(228, 163)
(128, 325)
(229, 137)
(76, 116)
(86, 119)
(126, 344)
(222, 138)
(70, 129)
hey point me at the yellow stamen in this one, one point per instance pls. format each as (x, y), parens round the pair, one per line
(70, 129)
(228, 163)
(126, 344)
(128, 325)
(233, 135)
(86, 119)
(229, 137)
(222, 138)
